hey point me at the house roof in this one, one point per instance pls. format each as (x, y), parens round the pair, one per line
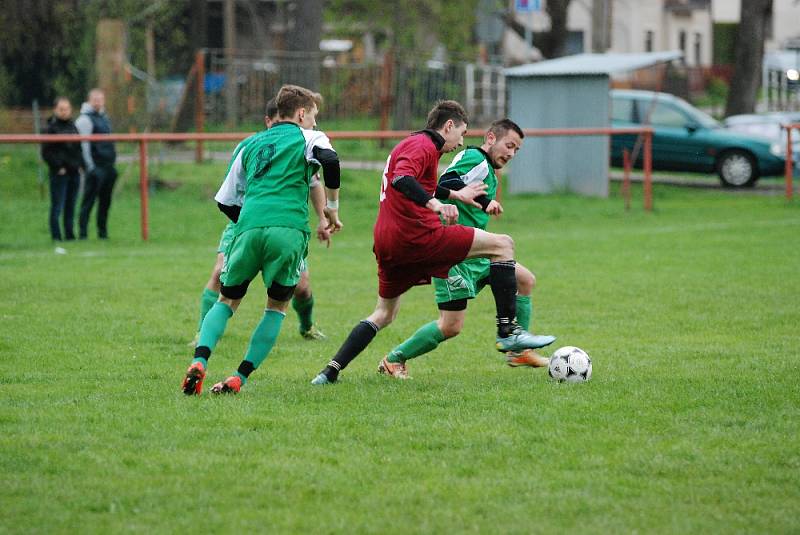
(593, 64)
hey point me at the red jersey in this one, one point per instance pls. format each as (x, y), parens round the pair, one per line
(403, 227)
(411, 244)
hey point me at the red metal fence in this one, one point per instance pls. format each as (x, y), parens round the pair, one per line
(788, 170)
(144, 139)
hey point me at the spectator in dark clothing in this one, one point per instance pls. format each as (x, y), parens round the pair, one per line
(98, 158)
(64, 161)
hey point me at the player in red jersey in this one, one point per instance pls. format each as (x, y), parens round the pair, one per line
(412, 245)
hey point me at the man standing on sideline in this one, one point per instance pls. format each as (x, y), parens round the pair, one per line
(412, 245)
(64, 161)
(99, 158)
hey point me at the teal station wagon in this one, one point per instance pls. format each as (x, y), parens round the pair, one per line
(686, 139)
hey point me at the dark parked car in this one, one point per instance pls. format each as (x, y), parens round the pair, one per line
(686, 139)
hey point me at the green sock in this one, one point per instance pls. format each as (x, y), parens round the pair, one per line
(207, 301)
(305, 311)
(524, 311)
(264, 336)
(213, 327)
(424, 340)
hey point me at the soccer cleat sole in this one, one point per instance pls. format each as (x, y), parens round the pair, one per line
(528, 358)
(383, 369)
(193, 382)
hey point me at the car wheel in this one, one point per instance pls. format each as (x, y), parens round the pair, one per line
(737, 169)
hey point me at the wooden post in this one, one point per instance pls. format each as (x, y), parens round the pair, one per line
(199, 101)
(648, 171)
(229, 21)
(110, 65)
(150, 50)
(143, 187)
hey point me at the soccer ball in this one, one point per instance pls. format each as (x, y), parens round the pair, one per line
(570, 364)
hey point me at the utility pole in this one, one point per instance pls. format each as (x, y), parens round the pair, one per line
(231, 90)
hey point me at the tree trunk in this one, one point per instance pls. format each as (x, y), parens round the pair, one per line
(303, 40)
(749, 53)
(554, 42)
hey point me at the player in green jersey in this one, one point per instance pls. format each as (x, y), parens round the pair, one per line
(266, 195)
(303, 299)
(474, 165)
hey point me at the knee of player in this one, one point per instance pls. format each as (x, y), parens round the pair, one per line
(506, 244)
(451, 329)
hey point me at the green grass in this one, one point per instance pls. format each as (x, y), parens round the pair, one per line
(689, 424)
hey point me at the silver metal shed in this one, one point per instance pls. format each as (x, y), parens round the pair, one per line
(568, 92)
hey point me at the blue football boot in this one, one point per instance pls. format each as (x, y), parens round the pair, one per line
(519, 339)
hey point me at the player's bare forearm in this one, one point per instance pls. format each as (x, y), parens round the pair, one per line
(318, 201)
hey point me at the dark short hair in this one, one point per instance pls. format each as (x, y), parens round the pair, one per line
(501, 127)
(444, 111)
(291, 98)
(272, 109)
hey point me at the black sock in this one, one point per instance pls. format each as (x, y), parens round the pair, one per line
(245, 368)
(359, 338)
(503, 279)
(202, 352)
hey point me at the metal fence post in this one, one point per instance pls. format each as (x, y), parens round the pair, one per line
(143, 186)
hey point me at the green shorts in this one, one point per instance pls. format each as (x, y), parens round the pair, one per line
(464, 280)
(226, 238)
(277, 252)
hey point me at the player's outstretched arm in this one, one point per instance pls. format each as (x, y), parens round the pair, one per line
(452, 186)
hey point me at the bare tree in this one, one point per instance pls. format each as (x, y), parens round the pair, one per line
(749, 54)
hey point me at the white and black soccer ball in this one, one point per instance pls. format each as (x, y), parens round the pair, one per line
(570, 364)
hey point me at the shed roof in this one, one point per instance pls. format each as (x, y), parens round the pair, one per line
(593, 64)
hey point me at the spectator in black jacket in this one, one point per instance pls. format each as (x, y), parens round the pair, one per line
(98, 159)
(64, 161)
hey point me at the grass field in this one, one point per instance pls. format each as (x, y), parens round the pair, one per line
(689, 425)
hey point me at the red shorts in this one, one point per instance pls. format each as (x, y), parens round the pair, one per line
(449, 246)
